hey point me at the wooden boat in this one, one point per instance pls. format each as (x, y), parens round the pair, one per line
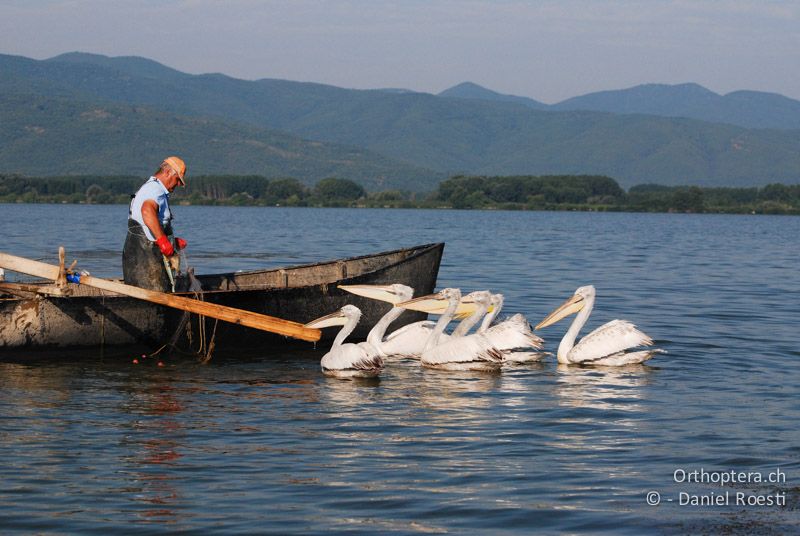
(41, 315)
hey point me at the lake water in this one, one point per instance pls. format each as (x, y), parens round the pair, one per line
(266, 444)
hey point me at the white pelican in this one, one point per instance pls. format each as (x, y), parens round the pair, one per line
(347, 360)
(511, 336)
(409, 340)
(606, 345)
(482, 300)
(471, 352)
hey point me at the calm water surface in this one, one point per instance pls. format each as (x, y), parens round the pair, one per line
(266, 444)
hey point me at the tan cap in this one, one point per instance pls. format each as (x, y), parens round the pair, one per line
(177, 165)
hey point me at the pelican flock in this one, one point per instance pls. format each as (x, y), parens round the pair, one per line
(407, 341)
(491, 346)
(461, 351)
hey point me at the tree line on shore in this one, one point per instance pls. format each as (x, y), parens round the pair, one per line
(551, 192)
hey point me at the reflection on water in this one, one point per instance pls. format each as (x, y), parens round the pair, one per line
(606, 388)
(154, 440)
(265, 443)
(606, 408)
(461, 391)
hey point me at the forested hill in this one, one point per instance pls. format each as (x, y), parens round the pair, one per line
(409, 132)
(59, 136)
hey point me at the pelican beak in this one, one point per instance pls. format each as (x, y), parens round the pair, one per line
(436, 304)
(423, 303)
(374, 292)
(333, 319)
(571, 306)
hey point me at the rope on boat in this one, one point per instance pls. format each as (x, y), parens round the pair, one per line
(205, 347)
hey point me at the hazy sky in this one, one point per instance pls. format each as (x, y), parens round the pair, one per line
(548, 50)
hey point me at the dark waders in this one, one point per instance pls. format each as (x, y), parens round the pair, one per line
(142, 261)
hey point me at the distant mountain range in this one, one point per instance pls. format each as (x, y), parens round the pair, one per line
(751, 109)
(468, 90)
(84, 113)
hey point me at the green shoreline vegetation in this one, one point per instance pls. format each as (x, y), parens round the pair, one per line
(551, 192)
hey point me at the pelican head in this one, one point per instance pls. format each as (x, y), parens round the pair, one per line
(338, 318)
(394, 293)
(574, 304)
(436, 303)
(468, 305)
(497, 301)
(478, 297)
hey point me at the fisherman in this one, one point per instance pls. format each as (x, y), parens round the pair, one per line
(148, 247)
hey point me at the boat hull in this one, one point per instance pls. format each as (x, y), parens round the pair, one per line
(36, 317)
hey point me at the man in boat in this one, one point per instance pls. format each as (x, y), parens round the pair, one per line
(150, 245)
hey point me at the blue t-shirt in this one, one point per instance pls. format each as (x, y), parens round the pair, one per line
(152, 189)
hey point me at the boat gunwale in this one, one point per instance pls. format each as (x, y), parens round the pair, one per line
(417, 251)
(423, 248)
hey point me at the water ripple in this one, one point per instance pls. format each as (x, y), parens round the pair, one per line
(266, 444)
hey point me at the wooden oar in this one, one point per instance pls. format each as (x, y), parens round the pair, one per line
(221, 312)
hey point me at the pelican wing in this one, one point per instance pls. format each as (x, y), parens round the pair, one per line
(523, 357)
(609, 339)
(626, 358)
(424, 327)
(471, 348)
(374, 362)
(513, 333)
(350, 356)
(409, 340)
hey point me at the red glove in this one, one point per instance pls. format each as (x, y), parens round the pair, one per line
(165, 246)
(180, 243)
